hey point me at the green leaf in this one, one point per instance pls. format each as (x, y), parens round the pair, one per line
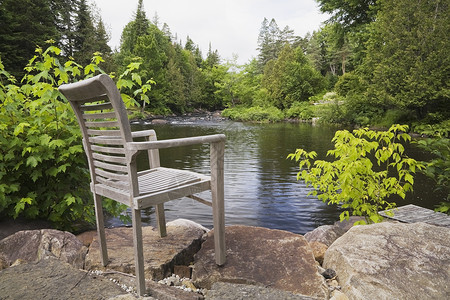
(32, 161)
(20, 128)
(135, 77)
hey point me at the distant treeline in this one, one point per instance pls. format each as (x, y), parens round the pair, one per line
(375, 62)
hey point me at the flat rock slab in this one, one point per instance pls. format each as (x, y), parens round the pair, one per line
(35, 245)
(183, 240)
(232, 291)
(260, 256)
(53, 279)
(392, 261)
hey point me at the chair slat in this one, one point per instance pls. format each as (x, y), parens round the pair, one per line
(111, 150)
(109, 158)
(105, 140)
(105, 115)
(107, 124)
(111, 175)
(92, 99)
(120, 185)
(100, 132)
(97, 106)
(111, 167)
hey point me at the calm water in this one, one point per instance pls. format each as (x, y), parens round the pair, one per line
(260, 183)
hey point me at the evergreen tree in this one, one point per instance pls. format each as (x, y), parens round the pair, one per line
(291, 78)
(24, 24)
(212, 58)
(271, 41)
(85, 35)
(408, 61)
(65, 13)
(133, 30)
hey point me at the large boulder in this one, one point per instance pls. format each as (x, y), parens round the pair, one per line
(53, 279)
(183, 240)
(261, 256)
(392, 261)
(35, 245)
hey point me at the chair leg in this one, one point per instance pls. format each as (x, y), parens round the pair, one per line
(217, 192)
(101, 229)
(161, 220)
(138, 252)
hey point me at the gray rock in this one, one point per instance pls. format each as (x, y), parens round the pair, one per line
(53, 279)
(392, 261)
(183, 240)
(159, 121)
(230, 291)
(35, 245)
(327, 234)
(261, 256)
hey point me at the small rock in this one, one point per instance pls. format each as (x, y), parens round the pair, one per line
(338, 295)
(329, 274)
(188, 284)
(333, 284)
(159, 121)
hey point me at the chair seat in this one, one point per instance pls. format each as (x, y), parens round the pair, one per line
(156, 185)
(161, 179)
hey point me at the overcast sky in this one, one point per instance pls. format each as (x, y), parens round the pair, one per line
(231, 26)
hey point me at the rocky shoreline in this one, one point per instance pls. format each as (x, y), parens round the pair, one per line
(389, 260)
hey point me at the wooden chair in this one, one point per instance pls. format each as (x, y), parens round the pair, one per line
(111, 153)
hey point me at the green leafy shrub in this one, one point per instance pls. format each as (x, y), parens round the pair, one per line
(255, 113)
(300, 110)
(352, 180)
(43, 169)
(349, 83)
(438, 168)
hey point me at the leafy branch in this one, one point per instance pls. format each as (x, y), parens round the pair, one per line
(352, 180)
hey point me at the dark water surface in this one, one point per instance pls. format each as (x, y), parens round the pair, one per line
(260, 183)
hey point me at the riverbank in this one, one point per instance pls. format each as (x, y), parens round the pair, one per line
(388, 260)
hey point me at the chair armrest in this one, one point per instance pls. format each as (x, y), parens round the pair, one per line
(206, 139)
(143, 133)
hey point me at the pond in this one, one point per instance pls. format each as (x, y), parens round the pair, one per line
(261, 188)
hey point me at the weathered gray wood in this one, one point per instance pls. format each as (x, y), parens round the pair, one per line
(201, 200)
(217, 191)
(100, 228)
(412, 214)
(111, 152)
(161, 220)
(138, 251)
(115, 159)
(206, 139)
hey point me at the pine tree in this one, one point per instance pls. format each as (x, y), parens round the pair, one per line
(133, 30)
(24, 24)
(85, 35)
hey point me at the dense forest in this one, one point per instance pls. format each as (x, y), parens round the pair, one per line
(373, 63)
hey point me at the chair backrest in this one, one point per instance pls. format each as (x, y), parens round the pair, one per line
(104, 124)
